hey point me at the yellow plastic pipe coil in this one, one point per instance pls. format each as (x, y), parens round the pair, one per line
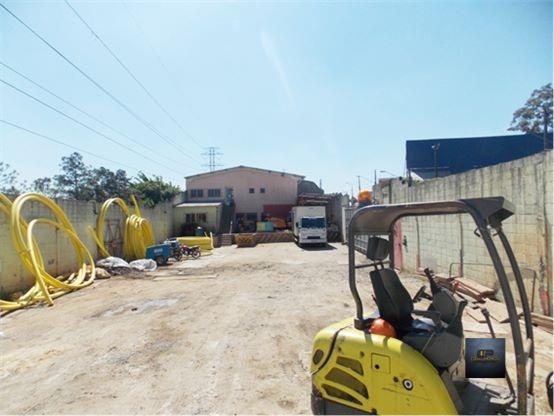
(138, 234)
(46, 287)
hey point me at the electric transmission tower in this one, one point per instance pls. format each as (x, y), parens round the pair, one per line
(211, 154)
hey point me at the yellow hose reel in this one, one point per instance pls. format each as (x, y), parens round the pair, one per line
(138, 234)
(137, 237)
(46, 287)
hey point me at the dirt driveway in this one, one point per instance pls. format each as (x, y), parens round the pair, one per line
(229, 333)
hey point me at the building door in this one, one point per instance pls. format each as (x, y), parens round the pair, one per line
(397, 234)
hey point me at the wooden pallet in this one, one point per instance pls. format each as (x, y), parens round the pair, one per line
(476, 314)
(465, 286)
(482, 290)
(543, 321)
(498, 311)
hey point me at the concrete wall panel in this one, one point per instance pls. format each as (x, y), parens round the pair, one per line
(440, 241)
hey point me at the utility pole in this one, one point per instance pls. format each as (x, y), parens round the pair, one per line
(320, 185)
(359, 185)
(211, 153)
(436, 148)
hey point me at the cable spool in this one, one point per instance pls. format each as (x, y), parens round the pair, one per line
(46, 287)
(138, 232)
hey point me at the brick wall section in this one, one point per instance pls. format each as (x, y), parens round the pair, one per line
(56, 248)
(439, 241)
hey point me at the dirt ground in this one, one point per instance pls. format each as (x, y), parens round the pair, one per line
(228, 333)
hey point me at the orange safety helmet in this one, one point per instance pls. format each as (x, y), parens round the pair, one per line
(365, 196)
(381, 327)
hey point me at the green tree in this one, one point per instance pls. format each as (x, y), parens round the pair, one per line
(110, 184)
(536, 115)
(152, 191)
(44, 186)
(83, 182)
(8, 180)
(76, 180)
(80, 181)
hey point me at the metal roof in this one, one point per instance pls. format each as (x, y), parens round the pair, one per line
(198, 204)
(458, 155)
(215, 172)
(379, 219)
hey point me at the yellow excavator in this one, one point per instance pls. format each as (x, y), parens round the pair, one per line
(402, 360)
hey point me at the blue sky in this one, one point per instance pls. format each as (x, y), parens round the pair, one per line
(327, 90)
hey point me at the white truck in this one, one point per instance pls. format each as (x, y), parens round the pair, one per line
(309, 224)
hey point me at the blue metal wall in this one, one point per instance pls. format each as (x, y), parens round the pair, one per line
(463, 154)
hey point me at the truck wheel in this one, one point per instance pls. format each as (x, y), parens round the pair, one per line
(160, 260)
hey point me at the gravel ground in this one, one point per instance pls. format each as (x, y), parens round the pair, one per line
(228, 333)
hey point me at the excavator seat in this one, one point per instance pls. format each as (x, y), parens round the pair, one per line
(436, 332)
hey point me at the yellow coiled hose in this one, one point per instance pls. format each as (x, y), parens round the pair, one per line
(138, 234)
(46, 287)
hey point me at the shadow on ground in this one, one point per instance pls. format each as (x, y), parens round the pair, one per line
(317, 247)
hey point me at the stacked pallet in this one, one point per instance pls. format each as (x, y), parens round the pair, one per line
(478, 297)
(226, 239)
(245, 240)
(465, 286)
(276, 237)
(473, 289)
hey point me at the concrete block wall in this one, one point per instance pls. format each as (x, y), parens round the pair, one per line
(56, 247)
(440, 241)
(161, 218)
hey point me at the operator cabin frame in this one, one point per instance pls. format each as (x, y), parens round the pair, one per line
(488, 214)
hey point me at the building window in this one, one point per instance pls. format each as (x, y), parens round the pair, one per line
(251, 216)
(250, 190)
(262, 190)
(196, 218)
(196, 193)
(214, 193)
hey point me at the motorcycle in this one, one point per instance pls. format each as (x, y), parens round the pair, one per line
(192, 251)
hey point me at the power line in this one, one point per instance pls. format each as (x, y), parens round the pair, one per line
(95, 83)
(141, 30)
(85, 125)
(140, 84)
(175, 83)
(51, 139)
(88, 114)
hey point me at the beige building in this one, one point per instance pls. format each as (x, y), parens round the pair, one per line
(250, 192)
(187, 216)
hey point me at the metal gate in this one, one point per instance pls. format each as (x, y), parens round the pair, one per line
(113, 238)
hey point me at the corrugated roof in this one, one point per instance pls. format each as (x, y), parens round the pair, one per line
(198, 204)
(215, 172)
